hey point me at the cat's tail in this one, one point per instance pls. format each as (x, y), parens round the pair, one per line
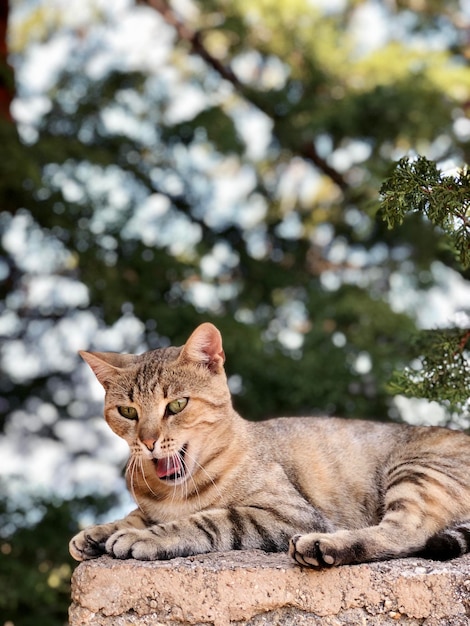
(447, 544)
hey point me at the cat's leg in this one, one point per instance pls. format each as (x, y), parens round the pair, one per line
(90, 542)
(344, 547)
(319, 550)
(218, 530)
(422, 513)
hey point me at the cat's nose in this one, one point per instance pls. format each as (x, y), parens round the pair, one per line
(149, 444)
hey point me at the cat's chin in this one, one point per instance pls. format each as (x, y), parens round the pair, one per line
(173, 469)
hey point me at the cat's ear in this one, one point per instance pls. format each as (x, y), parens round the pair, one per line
(106, 365)
(205, 347)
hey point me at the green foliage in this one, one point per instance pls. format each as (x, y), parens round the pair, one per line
(441, 371)
(419, 186)
(442, 366)
(35, 565)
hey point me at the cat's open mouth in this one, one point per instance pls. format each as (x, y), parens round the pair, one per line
(172, 467)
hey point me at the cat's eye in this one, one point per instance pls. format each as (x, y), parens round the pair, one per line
(176, 406)
(129, 412)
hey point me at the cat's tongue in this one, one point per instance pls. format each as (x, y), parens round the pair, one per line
(168, 466)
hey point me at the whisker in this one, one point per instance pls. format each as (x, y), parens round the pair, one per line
(176, 461)
(201, 467)
(186, 486)
(145, 478)
(130, 470)
(185, 467)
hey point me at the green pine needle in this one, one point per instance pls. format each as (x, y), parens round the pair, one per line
(442, 370)
(419, 186)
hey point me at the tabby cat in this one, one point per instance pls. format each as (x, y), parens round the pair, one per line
(330, 491)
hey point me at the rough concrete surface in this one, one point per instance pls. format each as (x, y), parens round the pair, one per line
(256, 589)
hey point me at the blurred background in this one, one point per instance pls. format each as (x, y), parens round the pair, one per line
(169, 163)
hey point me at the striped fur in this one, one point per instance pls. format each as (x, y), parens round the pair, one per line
(330, 491)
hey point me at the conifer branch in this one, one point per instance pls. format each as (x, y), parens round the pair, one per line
(419, 186)
(442, 372)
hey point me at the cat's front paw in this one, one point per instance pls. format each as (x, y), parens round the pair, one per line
(320, 550)
(90, 543)
(142, 544)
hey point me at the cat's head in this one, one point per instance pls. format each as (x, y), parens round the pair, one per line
(167, 403)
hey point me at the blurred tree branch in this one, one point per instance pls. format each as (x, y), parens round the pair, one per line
(194, 38)
(6, 73)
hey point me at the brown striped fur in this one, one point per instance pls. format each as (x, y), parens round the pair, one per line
(331, 491)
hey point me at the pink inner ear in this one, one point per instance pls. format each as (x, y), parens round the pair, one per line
(205, 345)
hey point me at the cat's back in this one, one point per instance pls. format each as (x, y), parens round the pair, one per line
(334, 434)
(286, 435)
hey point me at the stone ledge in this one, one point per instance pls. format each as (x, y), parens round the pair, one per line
(254, 588)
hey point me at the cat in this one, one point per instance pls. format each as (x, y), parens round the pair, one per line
(330, 491)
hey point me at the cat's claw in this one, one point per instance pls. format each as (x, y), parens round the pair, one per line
(90, 543)
(310, 552)
(84, 547)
